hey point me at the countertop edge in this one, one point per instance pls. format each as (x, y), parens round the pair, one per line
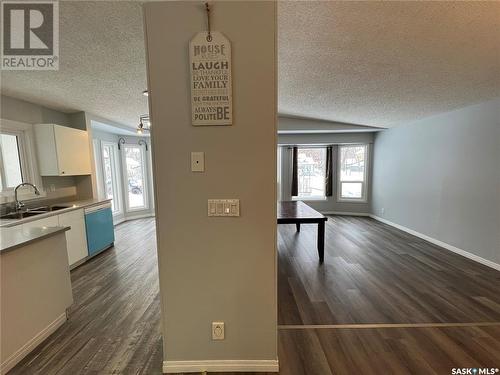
(28, 241)
(14, 223)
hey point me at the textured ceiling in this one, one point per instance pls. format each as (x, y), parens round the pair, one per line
(102, 64)
(369, 63)
(381, 63)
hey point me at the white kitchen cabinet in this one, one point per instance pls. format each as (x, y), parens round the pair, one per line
(62, 151)
(76, 238)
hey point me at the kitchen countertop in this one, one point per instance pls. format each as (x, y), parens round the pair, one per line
(71, 206)
(17, 237)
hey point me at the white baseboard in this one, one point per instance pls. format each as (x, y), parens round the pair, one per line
(27, 348)
(122, 219)
(221, 366)
(444, 245)
(345, 213)
(118, 221)
(139, 216)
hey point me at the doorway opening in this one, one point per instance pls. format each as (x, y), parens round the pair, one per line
(124, 170)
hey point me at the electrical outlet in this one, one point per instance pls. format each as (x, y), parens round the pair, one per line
(218, 331)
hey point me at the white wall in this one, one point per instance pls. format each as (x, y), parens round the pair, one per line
(215, 269)
(297, 125)
(325, 138)
(30, 113)
(440, 176)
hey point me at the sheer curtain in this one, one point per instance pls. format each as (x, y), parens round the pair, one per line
(295, 180)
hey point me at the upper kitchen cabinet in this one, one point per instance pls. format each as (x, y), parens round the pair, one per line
(62, 151)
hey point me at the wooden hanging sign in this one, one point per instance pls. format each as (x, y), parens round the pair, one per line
(211, 83)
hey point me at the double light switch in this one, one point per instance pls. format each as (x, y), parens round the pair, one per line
(223, 207)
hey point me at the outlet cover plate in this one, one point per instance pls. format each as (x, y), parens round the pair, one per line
(218, 332)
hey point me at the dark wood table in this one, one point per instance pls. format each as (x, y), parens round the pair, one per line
(297, 212)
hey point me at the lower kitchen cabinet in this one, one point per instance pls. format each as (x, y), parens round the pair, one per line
(91, 230)
(76, 237)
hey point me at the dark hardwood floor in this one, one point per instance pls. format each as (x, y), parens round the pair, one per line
(114, 324)
(372, 274)
(387, 350)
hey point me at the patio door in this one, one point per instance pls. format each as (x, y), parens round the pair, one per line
(111, 176)
(135, 180)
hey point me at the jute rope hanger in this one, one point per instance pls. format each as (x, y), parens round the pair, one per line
(209, 35)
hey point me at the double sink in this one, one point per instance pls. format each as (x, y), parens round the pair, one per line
(31, 212)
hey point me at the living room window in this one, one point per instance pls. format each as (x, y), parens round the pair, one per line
(311, 173)
(352, 173)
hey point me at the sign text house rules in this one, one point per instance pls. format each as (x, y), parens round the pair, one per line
(211, 89)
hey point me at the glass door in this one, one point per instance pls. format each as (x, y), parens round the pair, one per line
(111, 178)
(135, 177)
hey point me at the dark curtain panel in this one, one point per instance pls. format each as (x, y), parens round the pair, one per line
(329, 172)
(295, 180)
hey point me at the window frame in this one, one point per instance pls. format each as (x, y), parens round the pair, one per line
(313, 198)
(22, 164)
(115, 175)
(27, 158)
(145, 186)
(364, 183)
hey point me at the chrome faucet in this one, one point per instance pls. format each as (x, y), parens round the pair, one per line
(20, 204)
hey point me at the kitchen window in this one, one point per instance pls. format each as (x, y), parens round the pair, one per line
(10, 158)
(17, 162)
(352, 173)
(311, 173)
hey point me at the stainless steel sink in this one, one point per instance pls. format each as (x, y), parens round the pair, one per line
(31, 212)
(56, 208)
(21, 215)
(39, 209)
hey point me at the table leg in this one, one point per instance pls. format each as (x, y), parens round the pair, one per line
(321, 240)
(298, 226)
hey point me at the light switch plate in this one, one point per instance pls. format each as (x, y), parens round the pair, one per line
(223, 207)
(197, 162)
